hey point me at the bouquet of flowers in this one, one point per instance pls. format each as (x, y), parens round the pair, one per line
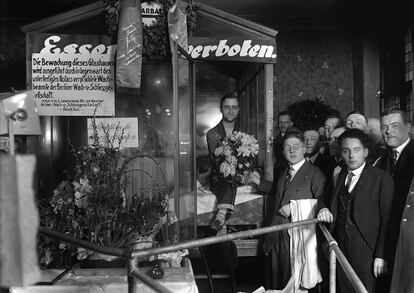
(236, 156)
(90, 204)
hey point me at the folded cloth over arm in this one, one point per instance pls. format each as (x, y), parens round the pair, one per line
(303, 246)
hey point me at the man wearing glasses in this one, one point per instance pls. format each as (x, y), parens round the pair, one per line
(298, 180)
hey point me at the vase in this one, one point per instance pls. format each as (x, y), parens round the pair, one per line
(100, 260)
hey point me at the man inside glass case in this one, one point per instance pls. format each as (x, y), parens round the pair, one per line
(224, 190)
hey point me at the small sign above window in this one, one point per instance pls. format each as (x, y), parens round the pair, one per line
(150, 11)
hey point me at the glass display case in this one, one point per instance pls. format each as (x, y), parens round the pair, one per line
(177, 104)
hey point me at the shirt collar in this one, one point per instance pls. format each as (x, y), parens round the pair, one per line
(402, 147)
(297, 166)
(357, 172)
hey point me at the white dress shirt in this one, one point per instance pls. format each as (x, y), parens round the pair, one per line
(357, 175)
(295, 168)
(401, 148)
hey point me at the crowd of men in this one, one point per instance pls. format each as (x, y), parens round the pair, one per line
(362, 175)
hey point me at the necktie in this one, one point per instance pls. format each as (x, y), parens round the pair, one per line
(394, 157)
(349, 180)
(288, 178)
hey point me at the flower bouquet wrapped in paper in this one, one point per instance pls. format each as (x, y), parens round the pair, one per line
(236, 156)
(234, 159)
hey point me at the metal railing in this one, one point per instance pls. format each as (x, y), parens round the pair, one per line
(133, 256)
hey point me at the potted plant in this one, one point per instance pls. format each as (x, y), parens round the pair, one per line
(310, 113)
(91, 203)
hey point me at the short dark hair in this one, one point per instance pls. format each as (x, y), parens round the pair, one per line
(283, 113)
(228, 96)
(396, 110)
(357, 112)
(307, 128)
(337, 116)
(293, 133)
(357, 134)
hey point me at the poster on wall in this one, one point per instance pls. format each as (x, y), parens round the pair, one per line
(73, 75)
(121, 132)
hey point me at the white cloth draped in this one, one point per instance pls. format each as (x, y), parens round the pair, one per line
(303, 249)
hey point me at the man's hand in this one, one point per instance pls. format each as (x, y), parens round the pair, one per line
(253, 177)
(285, 210)
(325, 215)
(380, 267)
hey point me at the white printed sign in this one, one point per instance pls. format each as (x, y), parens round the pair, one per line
(73, 84)
(123, 132)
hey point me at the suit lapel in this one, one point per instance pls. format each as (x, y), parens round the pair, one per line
(339, 182)
(405, 155)
(281, 182)
(358, 185)
(297, 181)
(221, 130)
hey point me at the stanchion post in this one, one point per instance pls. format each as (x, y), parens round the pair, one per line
(332, 270)
(132, 282)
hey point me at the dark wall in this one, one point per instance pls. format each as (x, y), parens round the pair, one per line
(13, 15)
(313, 64)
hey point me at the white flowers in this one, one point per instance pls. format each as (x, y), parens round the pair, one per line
(236, 154)
(227, 169)
(82, 188)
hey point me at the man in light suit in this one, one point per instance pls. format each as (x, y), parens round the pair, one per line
(298, 180)
(359, 211)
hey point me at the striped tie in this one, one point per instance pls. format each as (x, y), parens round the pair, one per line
(349, 180)
(394, 157)
(288, 177)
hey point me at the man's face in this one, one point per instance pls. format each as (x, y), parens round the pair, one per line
(374, 130)
(357, 121)
(394, 131)
(294, 150)
(333, 141)
(230, 109)
(330, 125)
(353, 152)
(284, 123)
(311, 142)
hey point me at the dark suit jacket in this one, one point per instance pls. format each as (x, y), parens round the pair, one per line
(402, 276)
(215, 135)
(403, 176)
(308, 183)
(371, 208)
(322, 162)
(279, 160)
